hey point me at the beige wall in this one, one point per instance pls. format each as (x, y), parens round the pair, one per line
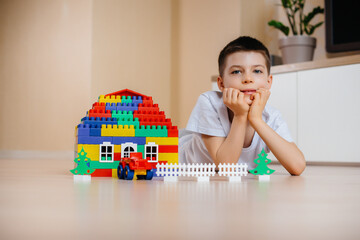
(45, 67)
(58, 56)
(131, 48)
(203, 27)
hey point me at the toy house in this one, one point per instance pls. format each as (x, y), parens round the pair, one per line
(121, 123)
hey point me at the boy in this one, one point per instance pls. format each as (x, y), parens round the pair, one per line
(235, 124)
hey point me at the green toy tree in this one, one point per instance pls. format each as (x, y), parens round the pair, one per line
(82, 167)
(262, 162)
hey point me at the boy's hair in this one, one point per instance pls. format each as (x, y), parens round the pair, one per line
(243, 43)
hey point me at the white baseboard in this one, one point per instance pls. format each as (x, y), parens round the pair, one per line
(18, 154)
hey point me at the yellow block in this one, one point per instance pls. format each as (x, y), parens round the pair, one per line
(92, 150)
(163, 140)
(173, 157)
(139, 172)
(114, 173)
(109, 99)
(172, 161)
(117, 148)
(117, 131)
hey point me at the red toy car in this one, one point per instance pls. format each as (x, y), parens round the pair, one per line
(136, 166)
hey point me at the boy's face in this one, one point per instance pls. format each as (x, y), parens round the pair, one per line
(245, 71)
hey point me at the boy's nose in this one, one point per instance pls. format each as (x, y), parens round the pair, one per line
(247, 80)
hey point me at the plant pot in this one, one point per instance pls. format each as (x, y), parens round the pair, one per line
(296, 49)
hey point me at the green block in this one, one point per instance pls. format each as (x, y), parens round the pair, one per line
(128, 121)
(122, 114)
(125, 99)
(151, 131)
(104, 165)
(141, 148)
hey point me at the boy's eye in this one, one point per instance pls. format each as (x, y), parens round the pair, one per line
(235, 72)
(257, 71)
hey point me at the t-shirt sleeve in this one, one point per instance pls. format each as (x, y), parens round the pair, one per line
(205, 118)
(281, 128)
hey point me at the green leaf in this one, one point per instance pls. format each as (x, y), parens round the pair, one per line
(301, 4)
(280, 26)
(296, 9)
(312, 28)
(311, 15)
(286, 3)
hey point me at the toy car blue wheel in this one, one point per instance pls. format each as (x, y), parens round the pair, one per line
(120, 172)
(149, 174)
(129, 174)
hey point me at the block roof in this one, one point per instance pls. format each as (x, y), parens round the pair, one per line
(129, 109)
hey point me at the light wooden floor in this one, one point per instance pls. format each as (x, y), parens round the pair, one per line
(39, 200)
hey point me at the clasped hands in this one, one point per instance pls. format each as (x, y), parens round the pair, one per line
(242, 106)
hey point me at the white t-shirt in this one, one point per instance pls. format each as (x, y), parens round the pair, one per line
(210, 117)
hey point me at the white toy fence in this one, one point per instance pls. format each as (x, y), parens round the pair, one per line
(170, 172)
(233, 171)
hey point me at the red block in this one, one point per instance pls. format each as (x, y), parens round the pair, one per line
(168, 149)
(117, 156)
(155, 121)
(149, 114)
(99, 106)
(102, 173)
(148, 107)
(173, 131)
(99, 113)
(147, 100)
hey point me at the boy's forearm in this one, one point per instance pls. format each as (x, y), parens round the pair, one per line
(230, 149)
(288, 154)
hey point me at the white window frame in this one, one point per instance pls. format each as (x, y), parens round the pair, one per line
(152, 154)
(106, 145)
(125, 145)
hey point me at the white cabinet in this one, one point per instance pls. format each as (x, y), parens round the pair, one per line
(322, 109)
(284, 97)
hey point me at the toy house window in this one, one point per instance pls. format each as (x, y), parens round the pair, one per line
(151, 152)
(128, 148)
(106, 152)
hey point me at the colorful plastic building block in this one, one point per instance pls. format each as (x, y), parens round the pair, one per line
(118, 119)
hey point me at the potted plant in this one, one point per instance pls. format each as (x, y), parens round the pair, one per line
(299, 47)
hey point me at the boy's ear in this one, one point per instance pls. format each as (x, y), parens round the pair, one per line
(220, 83)
(270, 80)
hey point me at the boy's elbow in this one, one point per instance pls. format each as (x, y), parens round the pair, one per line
(298, 168)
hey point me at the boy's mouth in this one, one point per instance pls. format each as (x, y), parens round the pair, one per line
(248, 91)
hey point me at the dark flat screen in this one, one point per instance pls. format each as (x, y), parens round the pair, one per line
(342, 20)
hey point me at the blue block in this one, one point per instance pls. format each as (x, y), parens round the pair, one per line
(93, 140)
(127, 107)
(110, 106)
(99, 121)
(121, 140)
(95, 130)
(136, 100)
(83, 130)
